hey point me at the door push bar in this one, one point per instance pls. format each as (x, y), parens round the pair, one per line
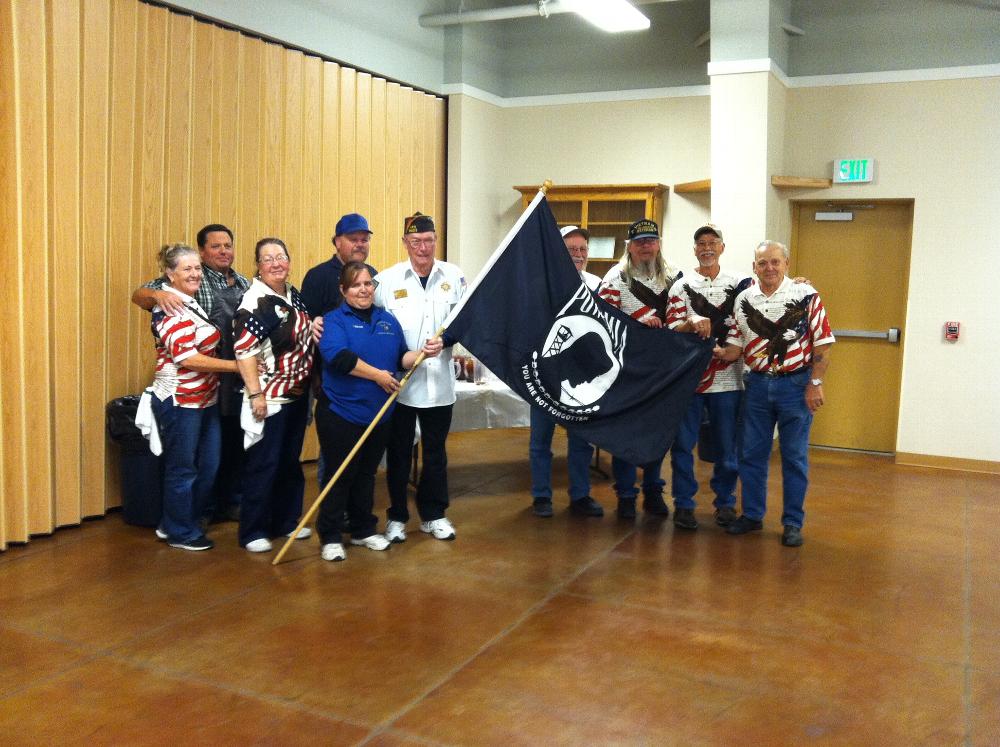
(891, 334)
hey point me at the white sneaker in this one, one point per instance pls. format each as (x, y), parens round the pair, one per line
(333, 551)
(258, 545)
(372, 542)
(160, 534)
(441, 529)
(395, 531)
(304, 534)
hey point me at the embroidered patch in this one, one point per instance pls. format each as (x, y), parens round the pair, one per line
(446, 286)
(401, 293)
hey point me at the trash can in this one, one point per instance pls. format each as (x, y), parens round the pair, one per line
(141, 469)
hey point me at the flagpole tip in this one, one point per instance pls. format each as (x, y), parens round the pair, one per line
(546, 186)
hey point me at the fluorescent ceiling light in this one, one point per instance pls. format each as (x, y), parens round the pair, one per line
(609, 15)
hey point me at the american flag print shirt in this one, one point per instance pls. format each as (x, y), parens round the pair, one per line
(778, 332)
(275, 328)
(713, 299)
(177, 339)
(654, 296)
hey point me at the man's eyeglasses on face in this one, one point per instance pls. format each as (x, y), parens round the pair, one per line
(707, 244)
(416, 243)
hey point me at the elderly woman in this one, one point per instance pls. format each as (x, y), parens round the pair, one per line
(183, 401)
(362, 347)
(274, 351)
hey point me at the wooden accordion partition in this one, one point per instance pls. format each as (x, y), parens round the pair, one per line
(124, 126)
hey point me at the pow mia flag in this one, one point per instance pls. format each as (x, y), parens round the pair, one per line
(530, 319)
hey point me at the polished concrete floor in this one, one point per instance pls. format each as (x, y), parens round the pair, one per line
(884, 628)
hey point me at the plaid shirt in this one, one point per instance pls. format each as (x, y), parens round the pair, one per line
(211, 279)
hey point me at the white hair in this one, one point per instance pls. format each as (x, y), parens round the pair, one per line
(769, 243)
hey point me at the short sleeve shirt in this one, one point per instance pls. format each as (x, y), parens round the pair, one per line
(177, 339)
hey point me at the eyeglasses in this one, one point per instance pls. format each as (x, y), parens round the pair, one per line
(421, 242)
(706, 244)
(272, 260)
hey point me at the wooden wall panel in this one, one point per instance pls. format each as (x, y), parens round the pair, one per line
(128, 126)
(95, 86)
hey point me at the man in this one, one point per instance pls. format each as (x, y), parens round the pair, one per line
(578, 451)
(219, 295)
(321, 285)
(420, 292)
(702, 304)
(640, 285)
(784, 335)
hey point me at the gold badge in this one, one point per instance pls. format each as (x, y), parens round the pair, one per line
(445, 286)
(401, 293)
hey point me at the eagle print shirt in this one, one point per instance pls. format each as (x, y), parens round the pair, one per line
(276, 328)
(778, 332)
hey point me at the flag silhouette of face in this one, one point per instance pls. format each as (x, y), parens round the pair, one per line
(577, 361)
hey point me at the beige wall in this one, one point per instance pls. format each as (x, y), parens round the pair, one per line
(935, 142)
(661, 140)
(124, 126)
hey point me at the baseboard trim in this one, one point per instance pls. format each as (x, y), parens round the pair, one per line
(942, 462)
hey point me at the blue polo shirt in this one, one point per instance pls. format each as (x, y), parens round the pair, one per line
(379, 343)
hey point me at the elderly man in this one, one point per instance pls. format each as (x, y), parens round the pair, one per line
(702, 303)
(420, 292)
(219, 295)
(640, 286)
(321, 285)
(784, 336)
(578, 451)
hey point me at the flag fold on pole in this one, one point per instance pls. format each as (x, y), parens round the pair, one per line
(613, 381)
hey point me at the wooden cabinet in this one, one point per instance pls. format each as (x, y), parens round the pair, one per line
(606, 210)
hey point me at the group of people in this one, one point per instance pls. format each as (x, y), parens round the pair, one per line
(239, 360)
(366, 327)
(771, 340)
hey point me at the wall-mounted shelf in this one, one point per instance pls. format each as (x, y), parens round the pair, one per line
(800, 182)
(688, 188)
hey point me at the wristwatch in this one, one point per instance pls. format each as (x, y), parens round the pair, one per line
(816, 382)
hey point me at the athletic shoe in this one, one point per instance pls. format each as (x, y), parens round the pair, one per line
(160, 534)
(258, 545)
(792, 536)
(372, 542)
(395, 531)
(438, 528)
(195, 545)
(304, 534)
(333, 551)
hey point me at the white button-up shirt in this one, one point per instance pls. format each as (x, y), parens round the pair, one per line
(420, 312)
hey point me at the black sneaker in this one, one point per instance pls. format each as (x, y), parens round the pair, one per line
(195, 545)
(586, 506)
(684, 519)
(542, 507)
(725, 516)
(626, 508)
(653, 503)
(743, 524)
(791, 537)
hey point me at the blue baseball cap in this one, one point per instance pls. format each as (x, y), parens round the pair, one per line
(350, 223)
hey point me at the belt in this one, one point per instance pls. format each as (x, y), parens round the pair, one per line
(777, 374)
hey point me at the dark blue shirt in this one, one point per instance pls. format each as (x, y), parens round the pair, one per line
(321, 286)
(378, 342)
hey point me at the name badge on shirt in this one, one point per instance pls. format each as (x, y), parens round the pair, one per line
(401, 293)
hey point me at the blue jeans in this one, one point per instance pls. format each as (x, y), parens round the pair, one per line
(191, 445)
(578, 456)
(625, 475)
(273, 483)
(770, 401)
(723, 413)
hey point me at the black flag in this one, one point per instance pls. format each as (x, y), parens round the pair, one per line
(531, 320)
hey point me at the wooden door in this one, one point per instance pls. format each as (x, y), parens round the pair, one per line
(860, 268)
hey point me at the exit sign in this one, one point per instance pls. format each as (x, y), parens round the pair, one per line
(853, 170)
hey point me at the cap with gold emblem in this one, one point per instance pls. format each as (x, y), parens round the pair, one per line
(417, 223)
(643, 229)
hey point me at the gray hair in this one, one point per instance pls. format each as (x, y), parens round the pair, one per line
(768, 243)
(170, 255)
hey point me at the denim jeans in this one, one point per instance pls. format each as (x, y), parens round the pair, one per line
(723, 413)
(770, 401)
(191, 444)
(273, 483)
(578, 456)
(625, 475)
(432, 488)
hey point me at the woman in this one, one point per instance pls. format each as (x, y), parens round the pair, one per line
(183, 401)
(362, 347)
(274, 351)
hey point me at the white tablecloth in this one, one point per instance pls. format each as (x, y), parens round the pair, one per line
(488, 405)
